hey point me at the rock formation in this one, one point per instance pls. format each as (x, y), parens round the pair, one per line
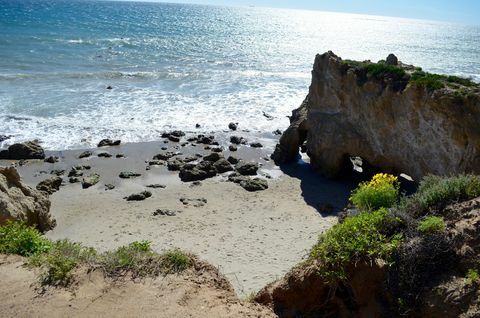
(395, 117)
(19, 202)
(26, 150)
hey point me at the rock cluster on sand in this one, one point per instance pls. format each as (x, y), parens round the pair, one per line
(388, 121)
(26, 150)
(50, 185)
(20, 202)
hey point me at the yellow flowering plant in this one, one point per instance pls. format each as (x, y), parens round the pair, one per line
(380, 192)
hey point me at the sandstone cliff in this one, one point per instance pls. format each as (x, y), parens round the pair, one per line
(395, 117)
(20, 202)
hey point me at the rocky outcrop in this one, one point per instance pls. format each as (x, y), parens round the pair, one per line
(379, 113)
(26, 150)
(19, 202)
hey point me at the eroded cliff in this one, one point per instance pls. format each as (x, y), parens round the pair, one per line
(395, 117)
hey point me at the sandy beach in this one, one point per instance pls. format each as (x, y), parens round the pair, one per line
(252, 237)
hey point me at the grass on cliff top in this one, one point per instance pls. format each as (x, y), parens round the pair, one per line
(59, 259)
(377, 70)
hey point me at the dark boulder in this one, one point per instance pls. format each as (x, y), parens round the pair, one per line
(85, 154)
(233, 126)
(139, 196)
(26, 150)
(222, 166)
(50, 185)
(247, 168)
(253, 185)
(108, 142)
(90, 181)
(128, 175)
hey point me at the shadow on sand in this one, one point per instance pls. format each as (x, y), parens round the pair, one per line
(327, 196)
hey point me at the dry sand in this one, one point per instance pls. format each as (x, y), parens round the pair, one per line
(253, 238)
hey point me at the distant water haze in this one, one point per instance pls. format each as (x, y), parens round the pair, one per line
(172, 66)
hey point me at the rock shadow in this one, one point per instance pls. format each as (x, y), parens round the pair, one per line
(327, 196)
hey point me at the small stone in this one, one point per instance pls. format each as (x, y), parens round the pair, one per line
(198, 126)
(256, 145)
(164, 148)
(233, 126)
(109, 87)
(57, 172)
(104, 155)
(173, 138)
(119, 155)
(109, 187)
(51, 159)
(74, 180)
(91, 180)
(253, 185)
(237, 140)
(268, 116)
(164, 156)
(233, 160)
(156, 186)
(85, 154)
(139, 196)
(247, 168)
(74, 172)
(175, 164)
(213, 157)
(197, 203)
(222, 166)
(277, 132)
(166, 212)
(232, 148)
(108, 142)
(128, 175)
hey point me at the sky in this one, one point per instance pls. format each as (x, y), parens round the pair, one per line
(460, 11)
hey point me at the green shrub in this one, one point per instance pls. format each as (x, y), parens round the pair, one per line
(176, 261)
(430, 81)
(359, 237)
(379, 70)
(380, 192)
(460, 80)
(60, 261)
(435, 192)
(18, 238)
(472, 276)
(432, 224)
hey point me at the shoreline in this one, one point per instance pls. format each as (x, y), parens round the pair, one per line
(252, 237)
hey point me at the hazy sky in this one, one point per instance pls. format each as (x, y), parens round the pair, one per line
(463, 11)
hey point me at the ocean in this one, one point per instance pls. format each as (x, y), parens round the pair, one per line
(172, 66)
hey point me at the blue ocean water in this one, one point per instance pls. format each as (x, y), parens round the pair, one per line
(174, 65)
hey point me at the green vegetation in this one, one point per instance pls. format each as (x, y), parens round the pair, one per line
(380, 192)
(431, 225)
(472, 276)
(378, 70)
(437, 81)
(436, 192)
(58, 260)
(17, 238)
(358, 238)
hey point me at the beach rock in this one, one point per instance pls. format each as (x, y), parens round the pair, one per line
(213, 157)
(22, 203)
(109, 87)
(391, 60)
(50, 185)
(129, 175)
(217, 149)
(58, 172)
(232, 148)
(173, 138)
(164, 156)
(120, 155)
(85, 154)
(197, 203)
(74, 172)
(233, 126)
(256, 145)
(198, 172)
(74, 180)
(206, 140)
(394, 125)
(51, 159)
(255, 184)
(237, 178)
(165, 212)
(108, 142)
(90, 180)
(156, 186)
(247, 168)
(222, 166)
(277, 132)
(233, 160)
(26, 150)
(139, 196)
(268, 116)
(156, 163)
(4, 137)
(175, 164)
(198, 126)
(104, 154)
(109, 186)
(236, 140)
